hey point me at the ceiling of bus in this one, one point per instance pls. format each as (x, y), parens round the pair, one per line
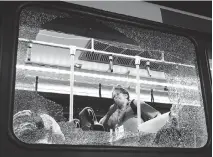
(86, 27)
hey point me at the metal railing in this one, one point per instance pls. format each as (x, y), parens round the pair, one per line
(72, 55)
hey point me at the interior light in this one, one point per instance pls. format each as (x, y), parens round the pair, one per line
(99, 76)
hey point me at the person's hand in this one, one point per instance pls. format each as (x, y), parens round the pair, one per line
(174, 114)
(112, 109)
(104, 120)
(175, 109)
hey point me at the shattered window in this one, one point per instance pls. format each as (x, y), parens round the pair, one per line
(86, 81)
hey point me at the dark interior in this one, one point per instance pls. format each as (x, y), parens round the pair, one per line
(87, 27)
(99, 105)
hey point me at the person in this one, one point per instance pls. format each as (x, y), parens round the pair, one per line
(31, 127)
(125, 109)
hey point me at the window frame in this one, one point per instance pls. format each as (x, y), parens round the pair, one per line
(192, 35)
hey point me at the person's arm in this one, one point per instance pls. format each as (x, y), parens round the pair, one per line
(155, 124)
(147, 111)
(105, 119)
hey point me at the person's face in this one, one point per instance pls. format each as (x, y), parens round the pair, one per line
(119, 98)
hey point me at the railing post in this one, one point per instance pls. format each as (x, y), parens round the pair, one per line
(72, 60)
(137, 63)
(92, 44)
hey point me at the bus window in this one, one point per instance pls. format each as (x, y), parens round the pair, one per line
(82, 80)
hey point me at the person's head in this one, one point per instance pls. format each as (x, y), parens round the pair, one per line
(120, 95)
(28, 126)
